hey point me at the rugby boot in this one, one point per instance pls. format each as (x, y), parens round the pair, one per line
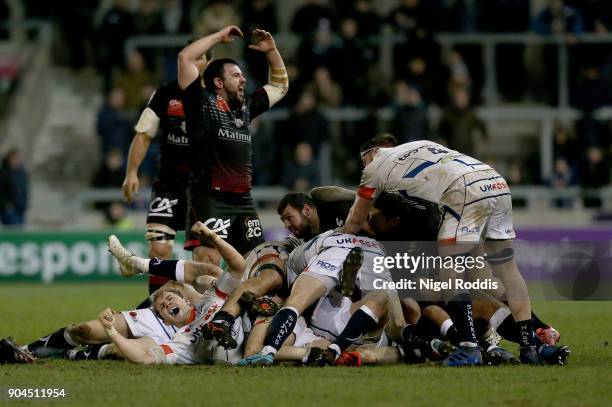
(464, 356)
(496, 355)
(350, 267)
(126, 259)
(554, 355)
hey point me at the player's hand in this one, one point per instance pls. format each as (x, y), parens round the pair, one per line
(106, 318)
(263, 41)
(202, 230)
(130, 187)
(228, 33)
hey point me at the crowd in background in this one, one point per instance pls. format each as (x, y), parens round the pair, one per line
(336, 64)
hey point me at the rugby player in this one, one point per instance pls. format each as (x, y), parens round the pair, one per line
(218, 116)
(473, 196)
(168, 204)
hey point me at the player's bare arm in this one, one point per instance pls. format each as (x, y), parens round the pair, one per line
(138, 150)
(188, 58)
(233, 258)
(278, 81)
(358, 215)
(130, 348)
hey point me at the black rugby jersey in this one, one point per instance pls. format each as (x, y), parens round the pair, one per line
(332, 214)
(220, 139)
(167, 104)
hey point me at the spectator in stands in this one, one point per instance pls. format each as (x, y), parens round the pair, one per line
(114, 124)
(13, 189)
(116, 217)
(410, 121)
(134, 81)
(110, 173)
(116, 26)
(216, 15)
(175, 19)
(559, 18)
(305, 124)
(312, 16)
(564, 145)
(460, 127)
(352, 62)
(258, 14)
(564, 176)
(591, 90)
(594, 173)
(301, 173)
(321, 49)
(148, 19)
(460, 16)
(410, 15)
(326, 91)
(368, 21)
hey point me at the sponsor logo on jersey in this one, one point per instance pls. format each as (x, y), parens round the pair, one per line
(134, 315)
(162, 207)
(238, 122)
(465, 229)
(180, 140)
(175, 108)
(327, 266)
(493, 186)
(219, 226)
(253, 228)
(234, 135)
(357, 241)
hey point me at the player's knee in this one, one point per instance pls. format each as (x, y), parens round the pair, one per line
(161, 240)
(81, 333)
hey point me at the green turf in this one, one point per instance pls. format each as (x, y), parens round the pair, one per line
(29, 310)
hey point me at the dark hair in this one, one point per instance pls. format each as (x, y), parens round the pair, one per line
(390, 204)
(380, 140)
(295, 199)
(215, 70)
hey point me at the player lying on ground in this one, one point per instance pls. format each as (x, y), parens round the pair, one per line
(143, 326)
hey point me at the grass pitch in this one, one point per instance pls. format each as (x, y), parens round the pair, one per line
(30, 310)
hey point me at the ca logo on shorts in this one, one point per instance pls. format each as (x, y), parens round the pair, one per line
(219, 226)
(162, 207)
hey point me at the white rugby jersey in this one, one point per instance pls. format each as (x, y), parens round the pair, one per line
(421, 168)
(188, 347)
(301, 257)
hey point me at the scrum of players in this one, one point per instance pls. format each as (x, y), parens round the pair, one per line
(307, 299)
(310, 298)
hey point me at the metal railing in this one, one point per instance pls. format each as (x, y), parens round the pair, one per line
(534, 196)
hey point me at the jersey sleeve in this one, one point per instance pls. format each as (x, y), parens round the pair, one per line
(371, 185)
(157, 101)
(259, 102)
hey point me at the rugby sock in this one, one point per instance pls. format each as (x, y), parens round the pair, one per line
(364, 320)
(164, 268)
(537, 322)
(281, 327)
(409, 332)
(526, 332)
(499, 316)
(460, 310)
(510, 331)
(52, 344)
